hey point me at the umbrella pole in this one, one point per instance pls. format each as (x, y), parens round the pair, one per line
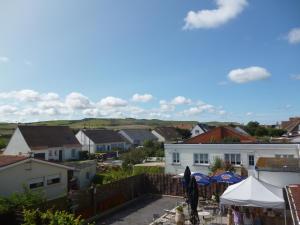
(284, 216)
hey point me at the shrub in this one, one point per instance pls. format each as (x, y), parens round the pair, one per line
(37, 217)
(148, 169)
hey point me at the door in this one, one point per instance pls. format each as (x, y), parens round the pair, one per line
(60, 155)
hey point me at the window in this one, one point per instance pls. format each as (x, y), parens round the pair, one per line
(36, 183)
(87, 175)
(73, 153)
(54, 179)
(55, 152)
(233, 159)
(176, 158)
(197, 131)
(50, 152)
(284, 156)
(251, 160)
(200, 158)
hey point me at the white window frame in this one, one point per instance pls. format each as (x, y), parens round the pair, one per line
(251, 155)
(35, 181)
(203, 159)
(175, 158)
(56, 176)
(233, 159)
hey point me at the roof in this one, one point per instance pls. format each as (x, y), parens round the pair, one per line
(103, 136)
(278, 164)
(6, 160)
(139, 134)
(293, 193)
(291, 124)
(169, 133)
(38, 137)
(218, 134)
(81, 164)
(204, 127)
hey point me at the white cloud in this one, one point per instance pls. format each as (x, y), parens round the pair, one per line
(249, 113)
(111, 101)
(142, 98)
(295, 77)
(22, 95)
(7, 109)
(227, 10)
(27, 62)
(180, 100)
(201, 109)
(249, 74)
(4, 59)
(77, 100)
(294, 36)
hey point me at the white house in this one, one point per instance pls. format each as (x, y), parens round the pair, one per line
(200, 156)
(278, 171)
(99, 140)
(84, 172)
(137, 137)
(17, 172)
(199, 128)
(57, 143)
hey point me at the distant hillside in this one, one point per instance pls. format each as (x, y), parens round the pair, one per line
(6, 129)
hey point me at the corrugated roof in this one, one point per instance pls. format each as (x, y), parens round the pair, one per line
(99, 136)
(278, 164)
(218, 134)
(293, 192)
(38, 137)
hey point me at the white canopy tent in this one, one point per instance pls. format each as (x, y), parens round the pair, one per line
(253, 193)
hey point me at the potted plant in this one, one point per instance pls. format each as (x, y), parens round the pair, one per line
(179, 216)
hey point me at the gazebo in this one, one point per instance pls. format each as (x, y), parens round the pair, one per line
(254, 193)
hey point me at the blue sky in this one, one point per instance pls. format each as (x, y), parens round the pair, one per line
(225, 60)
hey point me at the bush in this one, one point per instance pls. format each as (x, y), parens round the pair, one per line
(148, 169)
(26, 200)
(37, 217)
(111, 176)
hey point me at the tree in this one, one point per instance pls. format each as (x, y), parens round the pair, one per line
(261, 131)
(184, 133)
(133, 157)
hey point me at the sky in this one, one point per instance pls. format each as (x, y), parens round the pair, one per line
(204, 60)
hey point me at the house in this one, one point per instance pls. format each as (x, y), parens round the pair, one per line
(137, 137)
(19, 172)
(84, 172)
(278, 171)
(292, 126)
(293, 196)
(56, 143)
(199, 128)
(99, 140)
(167, 134)
(221, 135)
(199, 157)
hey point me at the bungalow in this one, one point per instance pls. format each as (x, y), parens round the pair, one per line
(167, 134)
(17, 172)
(199, 128)
(56, 143)
(221, 135)
(199, 157)
(137, 137)
(99, 140)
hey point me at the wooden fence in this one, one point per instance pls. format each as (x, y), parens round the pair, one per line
(108, 196)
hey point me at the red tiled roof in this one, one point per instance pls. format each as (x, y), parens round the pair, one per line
(294, 200)
(6, 160)
(218, 134)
